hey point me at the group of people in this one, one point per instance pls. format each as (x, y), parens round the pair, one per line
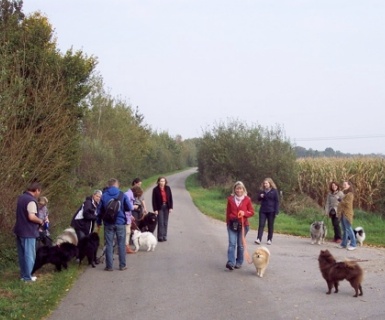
(239, 209)
(32, 220)
(339, 207)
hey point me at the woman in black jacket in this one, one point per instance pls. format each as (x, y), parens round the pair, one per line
(84, 219)
(162, 205)
(268, 196)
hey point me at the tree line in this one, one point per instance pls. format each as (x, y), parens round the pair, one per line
(60, 127)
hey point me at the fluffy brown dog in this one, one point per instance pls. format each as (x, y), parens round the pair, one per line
(333, 272)
(261, 258)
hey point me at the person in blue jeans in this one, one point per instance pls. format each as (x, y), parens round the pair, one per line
(239, 209)
(26, 230)
(117, 228)
(345, 213)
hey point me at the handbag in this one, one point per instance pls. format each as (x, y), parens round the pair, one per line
(234, 225)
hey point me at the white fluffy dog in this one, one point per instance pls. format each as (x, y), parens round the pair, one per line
(360, 235)
(68, 235)
(261, 258)
(144, 239)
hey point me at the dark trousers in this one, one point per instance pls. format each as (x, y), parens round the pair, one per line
(163, 214)
(336, 226)
(270, 217)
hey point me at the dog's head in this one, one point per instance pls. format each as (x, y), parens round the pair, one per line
(136, 234)
(317, 225)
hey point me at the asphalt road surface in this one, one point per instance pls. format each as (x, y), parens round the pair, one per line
(186, 278)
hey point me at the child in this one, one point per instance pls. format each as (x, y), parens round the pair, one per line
(43, 214)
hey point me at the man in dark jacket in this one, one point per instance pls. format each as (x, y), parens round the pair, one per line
(26, 230)
(117, 228)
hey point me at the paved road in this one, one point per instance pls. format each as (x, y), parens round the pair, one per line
(186, 278)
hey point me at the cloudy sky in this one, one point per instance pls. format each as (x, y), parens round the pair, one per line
(315, 68)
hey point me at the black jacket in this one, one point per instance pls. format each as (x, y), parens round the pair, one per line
(85, 217)
(157, 201)
(269, 202)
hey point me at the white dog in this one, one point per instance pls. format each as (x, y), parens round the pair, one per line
(68, 235)
(261, 258)
(144, 239)
(360, 235)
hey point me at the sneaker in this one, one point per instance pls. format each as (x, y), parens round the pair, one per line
(229, 266)
(340, 247)
(338, 241)
(269, 242)
(350, 248)
(257, 241)
(237, 266)
(123, 268)
(33, 279)
(108, 269)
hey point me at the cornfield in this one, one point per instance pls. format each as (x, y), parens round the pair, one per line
(366, 174)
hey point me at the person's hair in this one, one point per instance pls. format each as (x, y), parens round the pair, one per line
(270, 181)
(42, 200)
(157, 181)
(331, 184)
(137, 191)
(135, 181)
(239, 183)
(350, 189)
(33, 186)
(97, 192)
(113, 182)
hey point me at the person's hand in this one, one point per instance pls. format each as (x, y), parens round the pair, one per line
(156, 212)
(170, 210)
(241, 213)
(262, 195)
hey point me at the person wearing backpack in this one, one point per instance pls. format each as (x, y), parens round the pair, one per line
(111, 211)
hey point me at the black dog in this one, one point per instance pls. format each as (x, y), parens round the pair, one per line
(57, 255)
(148, 223)
(88, 247)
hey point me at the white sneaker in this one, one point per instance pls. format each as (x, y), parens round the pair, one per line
(340, 247)
(257, 241)
(350, 248)
(269, 242)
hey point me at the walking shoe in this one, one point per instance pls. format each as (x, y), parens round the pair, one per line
(108, 269)
(338, 241)
(257, 241)
(229, 266)
(269, 242)
(129, 250)
(123, 268)
(350, 248)
(340, 247)
(33, 279)
(237, 266)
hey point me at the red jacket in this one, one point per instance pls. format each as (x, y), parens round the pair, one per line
(232, 210)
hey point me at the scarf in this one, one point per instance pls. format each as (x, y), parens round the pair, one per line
(238, 200)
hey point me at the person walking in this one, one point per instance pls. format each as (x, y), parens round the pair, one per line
(345, 213)
(26, 229)
(118, 227)
(332, 202)
(84, 219)
(269, 209)
(239, 209)
(162, 205)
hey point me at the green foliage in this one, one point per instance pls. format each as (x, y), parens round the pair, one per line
(237, 152)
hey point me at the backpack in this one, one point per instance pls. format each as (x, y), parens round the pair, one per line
(112, 208)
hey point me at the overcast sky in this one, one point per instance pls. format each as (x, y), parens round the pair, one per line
(314, 67)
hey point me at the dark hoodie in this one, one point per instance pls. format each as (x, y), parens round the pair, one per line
(85, 217)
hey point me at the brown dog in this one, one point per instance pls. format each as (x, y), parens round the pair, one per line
(333, 272)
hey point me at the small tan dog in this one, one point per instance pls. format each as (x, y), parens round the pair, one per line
(261, 259)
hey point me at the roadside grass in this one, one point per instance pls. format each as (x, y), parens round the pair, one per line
(212, 202)
(36, 300)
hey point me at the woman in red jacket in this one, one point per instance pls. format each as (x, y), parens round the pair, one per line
(239, 207)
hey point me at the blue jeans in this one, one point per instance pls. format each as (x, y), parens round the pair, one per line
(163, 214)
(235, 242)
(109, 232)
(26, 251)
(347, 233)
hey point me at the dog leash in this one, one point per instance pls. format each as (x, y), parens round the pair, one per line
(245, 252)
